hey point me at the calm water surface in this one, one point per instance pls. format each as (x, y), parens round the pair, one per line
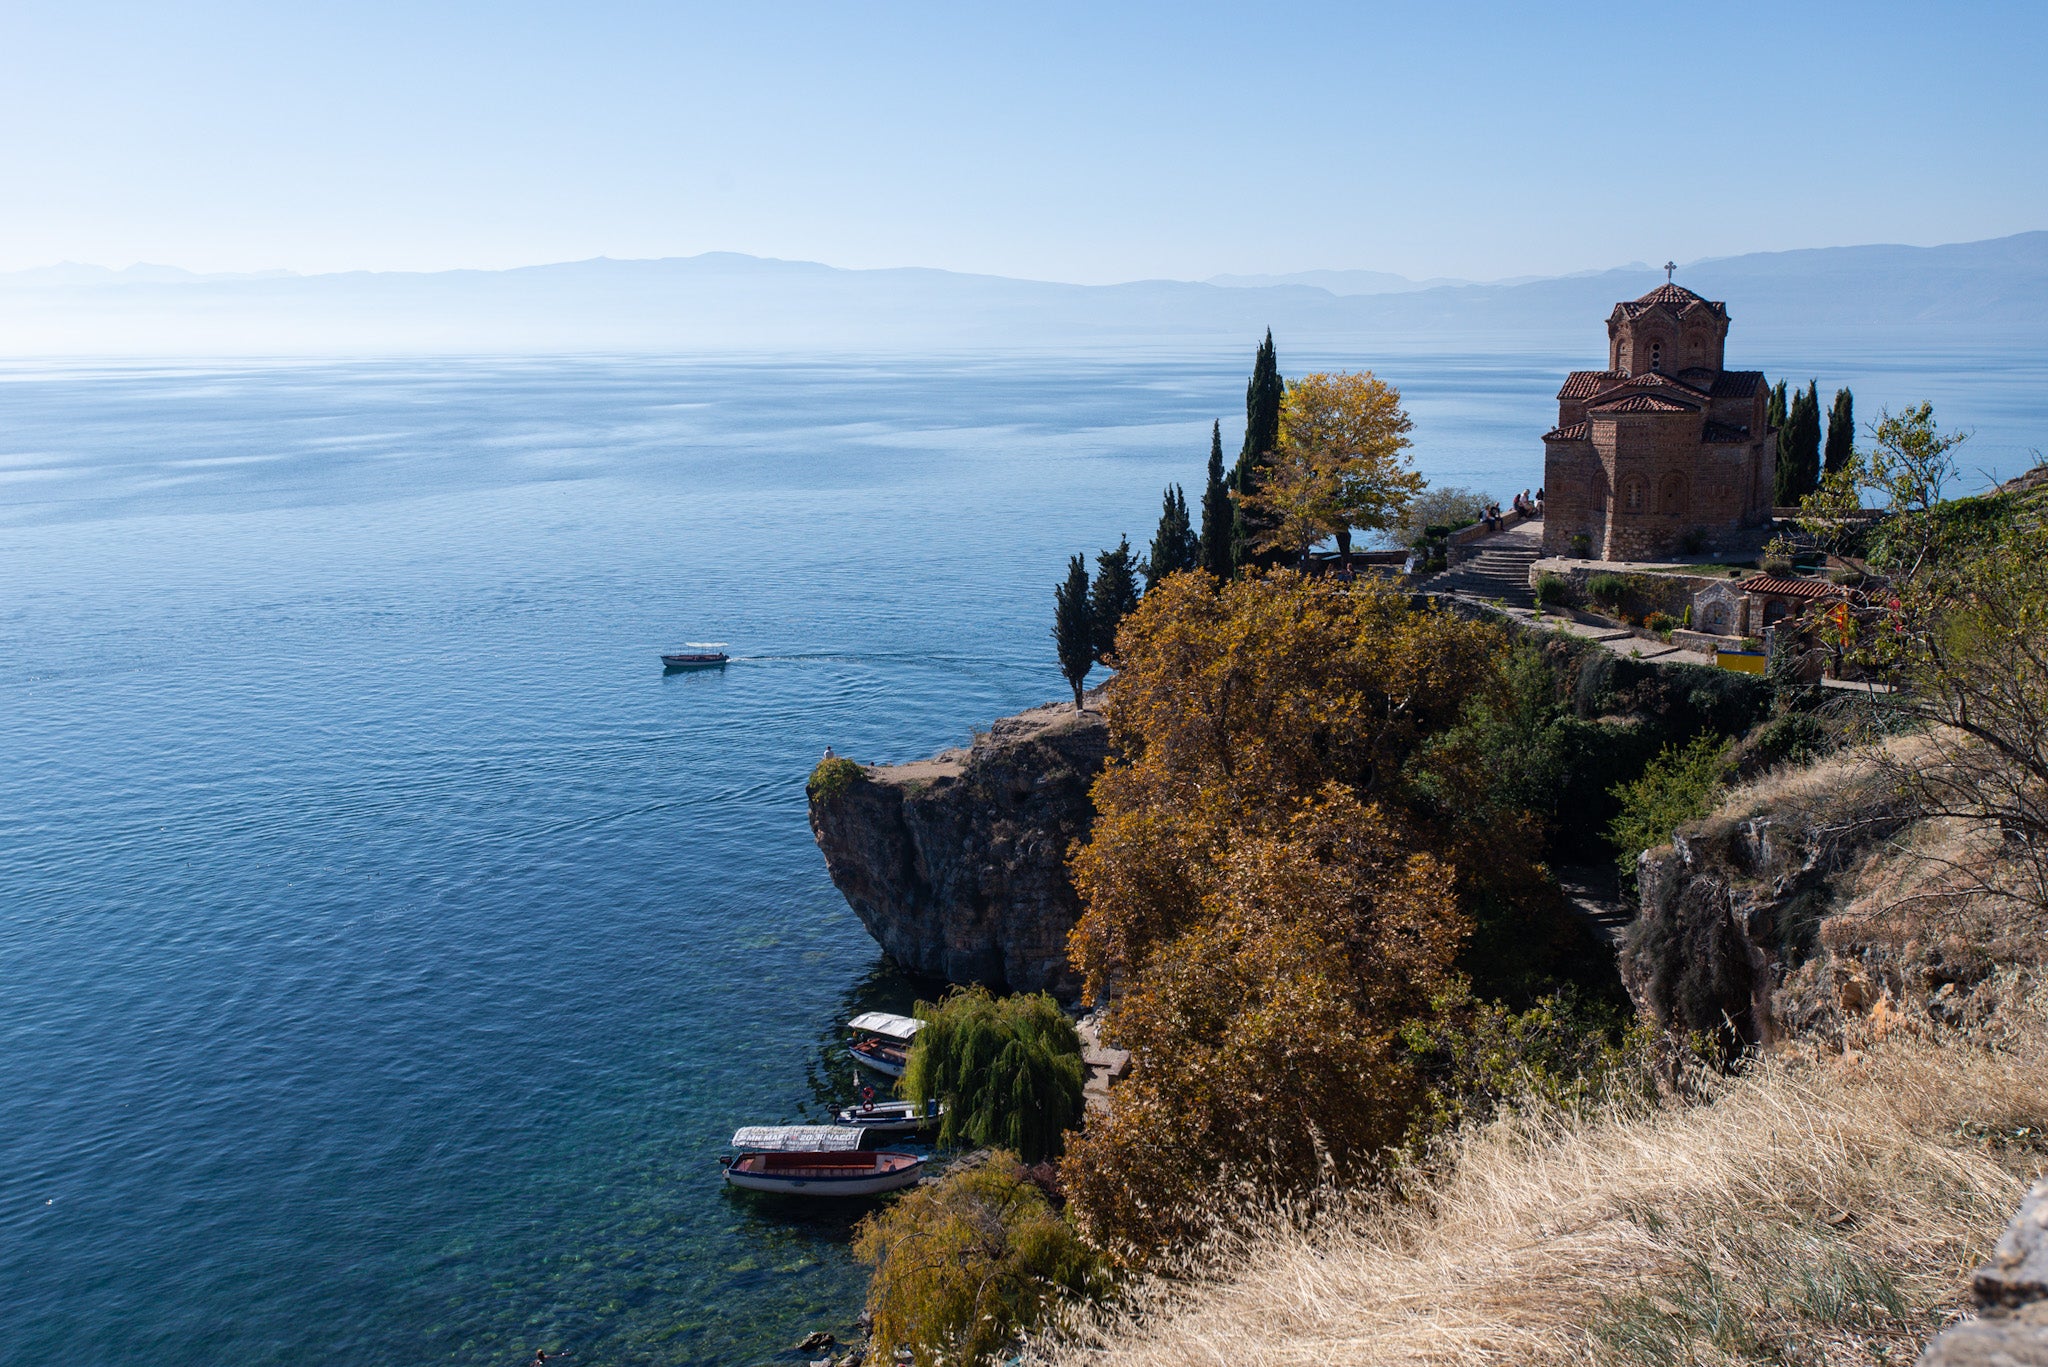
(388, 947)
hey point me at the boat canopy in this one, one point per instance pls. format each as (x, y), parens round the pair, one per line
(796, 1138)
(886, 1025)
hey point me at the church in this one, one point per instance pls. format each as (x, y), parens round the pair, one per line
(1664, 453)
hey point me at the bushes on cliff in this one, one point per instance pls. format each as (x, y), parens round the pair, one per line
(1682, 784)
(1008, 1070)
(833, 777)
(967, 1265)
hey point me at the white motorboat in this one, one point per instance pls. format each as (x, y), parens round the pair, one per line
(882, 1041)
(892, 1117)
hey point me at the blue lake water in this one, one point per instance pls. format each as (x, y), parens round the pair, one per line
(387, 946)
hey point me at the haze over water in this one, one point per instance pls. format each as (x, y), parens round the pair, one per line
(388, 946)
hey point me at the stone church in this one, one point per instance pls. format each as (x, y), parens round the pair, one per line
(1664, 453)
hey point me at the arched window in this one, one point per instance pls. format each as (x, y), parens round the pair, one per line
(1632, 495)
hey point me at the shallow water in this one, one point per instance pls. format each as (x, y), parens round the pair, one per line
(388, 945)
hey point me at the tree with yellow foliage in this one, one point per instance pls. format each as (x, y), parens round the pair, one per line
(1267, 901)
(1341, 463)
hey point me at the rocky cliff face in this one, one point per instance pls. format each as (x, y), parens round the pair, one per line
(957, 864)
(1736, 901)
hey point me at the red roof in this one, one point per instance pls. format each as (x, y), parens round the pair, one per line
(1789, 588)
(1677, 298)
(1582, 384)
(1578, 431)
(1645, 403)
(1738, 384)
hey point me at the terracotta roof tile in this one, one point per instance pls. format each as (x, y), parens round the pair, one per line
(1578, 431)
(1677, 298)
(1646, 403)
(1738, 384)
(1582, 384)
(1790, 588)
(1656, 379)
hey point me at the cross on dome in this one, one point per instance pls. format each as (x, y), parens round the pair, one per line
(1669, 266)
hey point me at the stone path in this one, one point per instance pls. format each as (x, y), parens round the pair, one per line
(1497, 570)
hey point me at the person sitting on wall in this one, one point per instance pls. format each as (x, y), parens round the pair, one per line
(1539, 503)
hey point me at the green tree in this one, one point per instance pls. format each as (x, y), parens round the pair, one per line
(1798, 471)
(1219, 514)
(1111, 600)
(1175, 547)
(1680, 785)
(1007, 1069)
(1775, 418)
(1841, 442)
(967, 1265)
(1073, 627)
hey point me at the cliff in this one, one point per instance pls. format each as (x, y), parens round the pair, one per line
(957, 864)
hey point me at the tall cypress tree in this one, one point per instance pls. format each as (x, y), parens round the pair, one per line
(1073, 629)
(1217, 513)
(1776, 417)
(1262, 395)
(1175, 547)
(1806, 439)
(1111, 600)
(1841, 443)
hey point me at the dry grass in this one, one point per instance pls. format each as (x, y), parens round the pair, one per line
(1826, 1208)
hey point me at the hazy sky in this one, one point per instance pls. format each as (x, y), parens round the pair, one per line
(1090, 142)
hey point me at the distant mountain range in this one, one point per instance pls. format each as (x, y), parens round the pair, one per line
(727, 302)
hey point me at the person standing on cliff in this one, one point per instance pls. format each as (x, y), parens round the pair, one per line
(829, 754)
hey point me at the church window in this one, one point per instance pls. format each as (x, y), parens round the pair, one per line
(1632, 495)
(1656, 355)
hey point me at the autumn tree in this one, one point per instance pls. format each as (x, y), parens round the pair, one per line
(1073, 627)
(1175, 547)
(1111, 599)
(1218, 513)
(1340, 465)
(1269, 893)
(968, 1264)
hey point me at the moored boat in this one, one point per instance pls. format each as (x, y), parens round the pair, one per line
(816, 1160)
(882, 1041)
(892, 1117)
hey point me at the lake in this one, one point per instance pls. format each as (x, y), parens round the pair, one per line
(389, 947)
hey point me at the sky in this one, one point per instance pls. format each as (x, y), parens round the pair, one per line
(1090, 143)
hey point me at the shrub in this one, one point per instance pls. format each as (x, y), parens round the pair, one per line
(967, 1265)
(1437, 531)
(1776, 563)
(1609, 589)
(1693, 542)
(1008, 1070)
(1678, 786)
(1582, 546)
(1554, 590)
(1661, 622)
(833, 777)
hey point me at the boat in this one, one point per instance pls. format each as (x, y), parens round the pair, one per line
(883, 1041)
(696, 655)
(816, 1160)
(892, 1117)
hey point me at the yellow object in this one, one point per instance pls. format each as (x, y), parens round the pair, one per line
(1740, 662)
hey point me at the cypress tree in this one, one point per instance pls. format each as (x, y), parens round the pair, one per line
(1175, 547)
(1806, 439)
(1262, 395)
(1111, 600)
(1776, 417)
(1217, 513)
(1073, 630)
(1841, 443)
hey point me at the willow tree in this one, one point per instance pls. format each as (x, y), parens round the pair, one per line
(1007, 1069)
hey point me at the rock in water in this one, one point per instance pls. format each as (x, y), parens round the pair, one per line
(957, 864)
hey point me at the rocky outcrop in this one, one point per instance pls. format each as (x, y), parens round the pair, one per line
(2011, 1291)
(957, 864)
(1735, 900)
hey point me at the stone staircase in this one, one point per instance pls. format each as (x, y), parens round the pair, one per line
(1498, 570)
